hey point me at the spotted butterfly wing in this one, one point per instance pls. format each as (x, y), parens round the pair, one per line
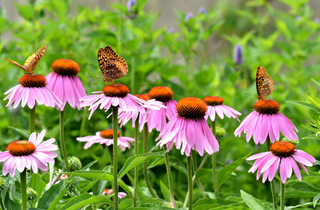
(111, 65)
(264, 83)
(31, 62)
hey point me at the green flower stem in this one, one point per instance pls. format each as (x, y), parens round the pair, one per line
(145, 164)
(214, 160)
(32, 119)
(190, 186)
(194, 178)
(195, 168)
(1, 204)
(111, 154)
(63, 145)
(23, 182)
(273, 189)
(136, 152)
(166, 158)
(115, 156)
(282, 189)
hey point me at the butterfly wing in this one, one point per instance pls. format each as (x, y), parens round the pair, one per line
(16, 64)
(264, 83)
(34, 59)
(111, 65)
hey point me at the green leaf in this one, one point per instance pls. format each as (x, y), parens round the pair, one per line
(136, 160)
(141, 197)
(86, 188)
(252, 202)
(305, 104)
(93, 174)
(37, 184)
(165, 192)
(301, 190)
(86, 199)
(224, 173)
(21, 132)
(203, 172)
(57, 199)
(50, 195)
(298, 206)
(315, 200)
(11, 204)
(208, 203)
(26, 11)
(174, 162)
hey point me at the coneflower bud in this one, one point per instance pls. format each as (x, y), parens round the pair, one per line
(31, 194)
(74, 163)
(220, 133)
(238, 55)
(2, 184)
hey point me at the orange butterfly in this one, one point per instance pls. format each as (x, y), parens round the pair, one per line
(264, 83)
(111, 65)
(31, 62)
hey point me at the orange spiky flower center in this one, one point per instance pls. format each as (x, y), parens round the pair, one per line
(116, 90)
(267, 106)
(282, 149)
(108, 134)
(65, 67)
(21, 148)
(143, 96)
(191, 107)
(33, 80)
(213, 100)
(161, 93)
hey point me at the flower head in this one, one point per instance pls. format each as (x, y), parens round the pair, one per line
(189, 129)
(238, 55)
(65, 83)
(158, 118)
(202, 10)
(170, 30)
(264, 121)
(215, 106)
(32, 88)
(130, 4)
(23, 154)
(106, 137)
(125, 116)
(188, 16)
(110, 191)
(113, 95)
(281, 154)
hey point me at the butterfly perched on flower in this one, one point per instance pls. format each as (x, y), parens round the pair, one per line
(264, 83)
(111, 65)
(31, 62)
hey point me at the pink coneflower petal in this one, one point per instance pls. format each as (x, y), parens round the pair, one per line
(296, 169)
(273, 169)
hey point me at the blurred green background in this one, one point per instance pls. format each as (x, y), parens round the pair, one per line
(194, 57)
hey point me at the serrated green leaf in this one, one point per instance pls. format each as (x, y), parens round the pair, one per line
(136, 160)
(252, 202)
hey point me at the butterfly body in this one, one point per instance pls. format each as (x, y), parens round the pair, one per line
(111, 65)
(31, 61)
(264, 83)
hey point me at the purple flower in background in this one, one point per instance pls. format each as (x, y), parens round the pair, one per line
(130, 4)
(170, 30)
(298, 18)
(188, 16)
(238, 55)
(202, 10)
(316, 20)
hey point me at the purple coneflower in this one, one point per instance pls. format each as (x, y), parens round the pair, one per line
(31, 154)
(106, 137)
(189, 130)
(110, 191)
(158, 118)
(281, 154)
(264, 121)
(238, 55)
(215, 106)
(33, 88)
(65, 83)
(113, 95)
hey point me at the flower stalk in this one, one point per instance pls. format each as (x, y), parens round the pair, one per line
(32, 119)
(145, 164)
(23, 182)
(115, 156)
(136, 152)
(166, 158)
(282, 189)
(190, 185)
(62, 141)
(110, 149)
(214, 157)
(195, 168)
